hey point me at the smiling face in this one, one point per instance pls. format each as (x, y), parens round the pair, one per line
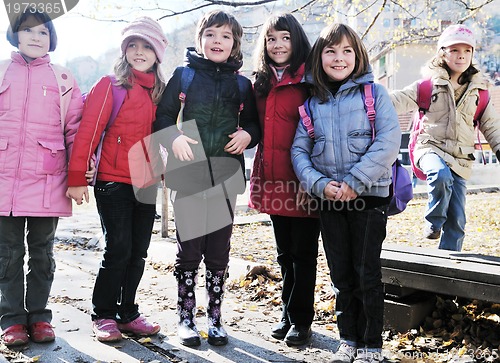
(338, 60)
(217, 43)
(458, 58)
(279, 46)
(140, 55)
(34, 39)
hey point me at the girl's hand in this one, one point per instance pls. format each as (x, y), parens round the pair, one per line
(302, 197)
(78, 193)
(239, 142)
(181, 149)
(331, 190)
(89, 174)
(345, 193)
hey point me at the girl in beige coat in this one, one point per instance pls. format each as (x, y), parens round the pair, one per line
(445, 147)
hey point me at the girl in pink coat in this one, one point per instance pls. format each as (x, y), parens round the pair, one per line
(40, 108)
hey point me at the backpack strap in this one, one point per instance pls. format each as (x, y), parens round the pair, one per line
(187, 76)
(3, 69)
(119, 92)
(484, 99)
(65, 83)
(305, 114)
(243, 90)
(482, 102)
(367, 93)
(424, 95)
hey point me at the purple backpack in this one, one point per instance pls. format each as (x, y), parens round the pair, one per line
(119, 93)
(401, 187)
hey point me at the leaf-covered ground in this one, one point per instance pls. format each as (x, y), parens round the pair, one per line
(457, 328)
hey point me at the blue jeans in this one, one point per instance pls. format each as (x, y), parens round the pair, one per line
(353, 242)
(23, 299)
(446, 204)
(127, 225)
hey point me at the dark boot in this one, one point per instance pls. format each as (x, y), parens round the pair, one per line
(186, 307)
(280, 330)
(215, 279)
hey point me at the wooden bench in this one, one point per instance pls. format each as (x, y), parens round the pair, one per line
(462, 274)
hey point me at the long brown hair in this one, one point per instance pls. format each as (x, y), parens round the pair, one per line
(438, 61)
(300, 50)
(333, 34)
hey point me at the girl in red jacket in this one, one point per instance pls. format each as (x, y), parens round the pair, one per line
(40, 109)
(127, 220)
(274, 188)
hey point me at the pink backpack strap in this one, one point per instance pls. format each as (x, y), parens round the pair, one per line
(65, 83)
(369, 101)
(306, 121)
(424, 95)
(484, 99)
(3, 68)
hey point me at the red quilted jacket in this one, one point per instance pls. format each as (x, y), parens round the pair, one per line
(273, 184)
(133, 123)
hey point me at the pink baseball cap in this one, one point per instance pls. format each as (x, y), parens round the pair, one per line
(456, 34)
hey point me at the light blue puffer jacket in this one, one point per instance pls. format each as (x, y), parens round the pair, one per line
(342, 149)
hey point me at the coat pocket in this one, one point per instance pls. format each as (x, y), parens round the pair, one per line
(4, 142)
(359, 141)
(318, 147)
(51, 157)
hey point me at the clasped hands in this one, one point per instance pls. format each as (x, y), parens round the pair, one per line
(337, 191)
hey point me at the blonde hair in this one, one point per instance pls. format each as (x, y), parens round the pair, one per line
(124, 77)
(220, 18)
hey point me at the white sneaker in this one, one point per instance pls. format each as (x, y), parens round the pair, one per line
(365, 356)
(345, 354)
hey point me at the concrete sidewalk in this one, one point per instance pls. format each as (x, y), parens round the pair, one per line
(70, 302)
(248, 322)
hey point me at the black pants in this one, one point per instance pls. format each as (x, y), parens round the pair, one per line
(297, 246)
(127, 225)
(353, 242)
(23, 297)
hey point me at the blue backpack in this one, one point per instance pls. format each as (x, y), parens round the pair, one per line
(401, 187)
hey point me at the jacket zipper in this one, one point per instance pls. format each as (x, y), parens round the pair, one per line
(118, 141)
(23, 138)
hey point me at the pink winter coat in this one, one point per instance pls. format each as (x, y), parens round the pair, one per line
(33, 148)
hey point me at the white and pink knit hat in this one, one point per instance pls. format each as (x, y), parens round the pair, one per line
(456, 34)
(149, 30)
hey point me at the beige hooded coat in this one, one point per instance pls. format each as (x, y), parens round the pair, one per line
(448, 128)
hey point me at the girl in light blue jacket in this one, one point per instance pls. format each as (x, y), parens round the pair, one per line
(347, 165)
